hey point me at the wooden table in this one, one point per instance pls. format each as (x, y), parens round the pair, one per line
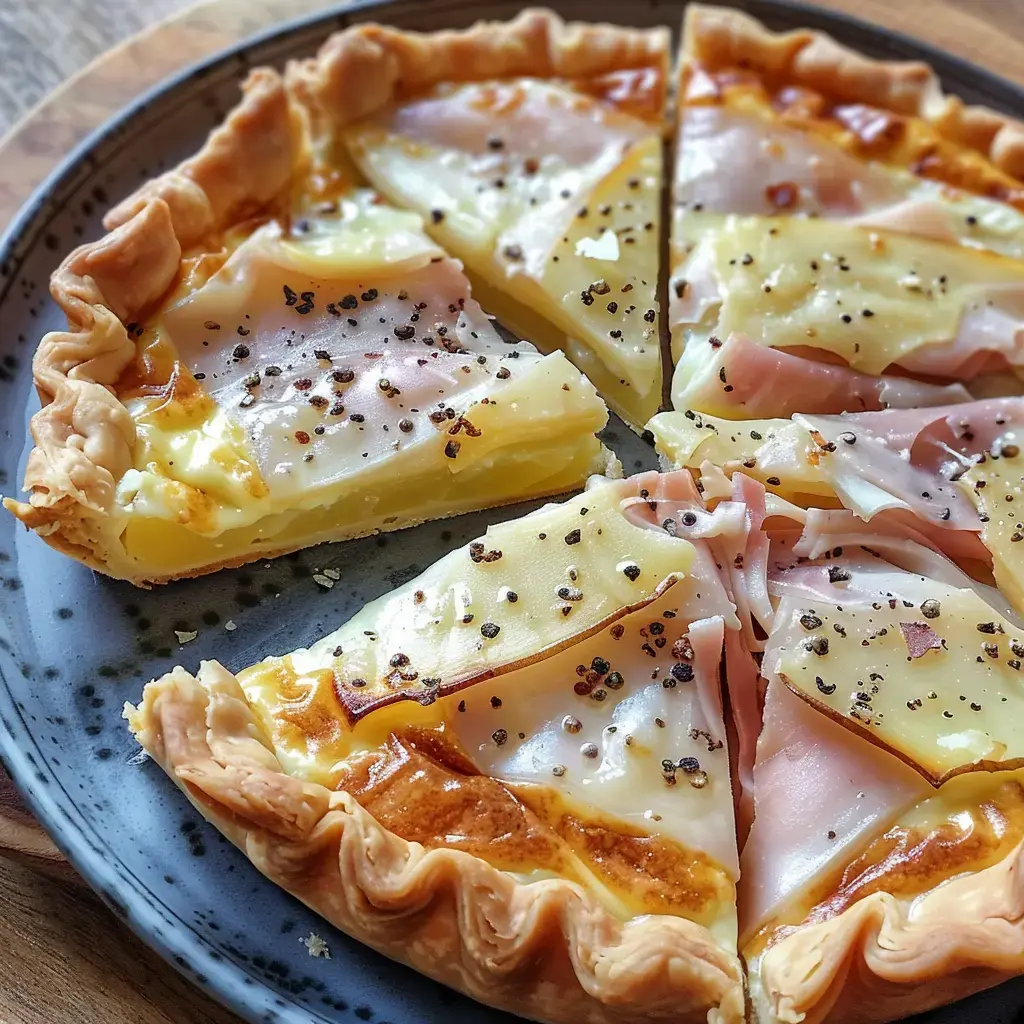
(63, 958)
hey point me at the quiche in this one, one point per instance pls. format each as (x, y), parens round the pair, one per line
(844, 236)
(734, 741)
(262, 354)
(512, 772)
(534, 154)
(879, 877)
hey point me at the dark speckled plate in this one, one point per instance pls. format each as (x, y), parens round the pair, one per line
(75, 646)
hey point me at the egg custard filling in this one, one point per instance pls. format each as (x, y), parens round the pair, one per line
(545, 700)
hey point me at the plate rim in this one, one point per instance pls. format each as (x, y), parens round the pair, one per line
(226, 981)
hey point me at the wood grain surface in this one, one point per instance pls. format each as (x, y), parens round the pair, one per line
(65, 67)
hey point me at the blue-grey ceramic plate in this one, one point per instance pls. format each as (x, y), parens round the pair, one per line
(75, 646)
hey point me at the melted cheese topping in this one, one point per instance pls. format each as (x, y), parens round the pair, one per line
(550, 197)
(456, 623)
(578, 734)
(873, 299)
(338, 375)
(995, 487)
(944, 690)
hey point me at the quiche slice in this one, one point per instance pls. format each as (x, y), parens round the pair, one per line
(844, 236)
(880, 877)
(533, 150)
(263, 355)
(510, 773)
(950, 477)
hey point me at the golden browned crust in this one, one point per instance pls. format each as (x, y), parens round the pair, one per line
(884, 958)
(718, 37)
(365, 68)
(546, 950)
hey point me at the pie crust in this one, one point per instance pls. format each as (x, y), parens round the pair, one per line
(884, 958)
(544, 950)
(719, 37)
(83, 435)
(363, 69)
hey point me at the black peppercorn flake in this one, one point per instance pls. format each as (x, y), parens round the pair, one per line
(631, 571)
(683, 671)
(817, 644)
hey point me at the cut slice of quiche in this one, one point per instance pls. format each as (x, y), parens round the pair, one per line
(263, 355)
(512, 772)
(844, 236)
(533, 150)
(879, 878)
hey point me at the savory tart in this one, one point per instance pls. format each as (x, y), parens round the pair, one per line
(263, 355)
(949, 476)
(760, 708)
(533, 150)
(844, 236)
(880, 875)
(511, 772)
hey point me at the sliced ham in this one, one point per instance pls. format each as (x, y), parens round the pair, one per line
(989, 338)
(818, 791)
(772, 382)
(771, 169)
